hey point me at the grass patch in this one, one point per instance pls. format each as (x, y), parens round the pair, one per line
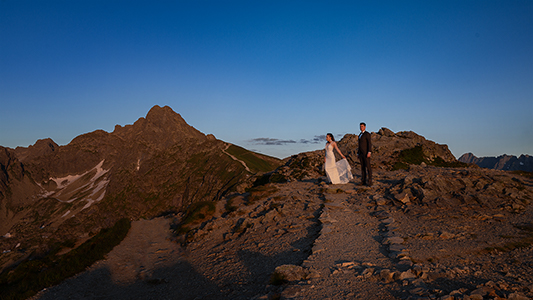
(260, 192)
(229, 206)
(439, 162)
(269, 178)
(277, 178)
(37, 273)
(256, 162)
(196, 213)
(262, 180)
(415, 156)
(400, 166)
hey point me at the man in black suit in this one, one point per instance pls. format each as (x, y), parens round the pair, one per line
(364, 152)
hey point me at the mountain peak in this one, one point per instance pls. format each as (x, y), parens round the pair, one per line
(158, 111)
(40, 148)
(166, 118)
(162, 126)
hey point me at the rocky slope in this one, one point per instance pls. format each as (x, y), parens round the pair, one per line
(503, 162)
(158, 165)
(421, 233)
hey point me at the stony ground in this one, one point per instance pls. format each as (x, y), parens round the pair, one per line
(427, 233)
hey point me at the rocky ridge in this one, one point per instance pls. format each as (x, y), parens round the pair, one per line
(422, 233)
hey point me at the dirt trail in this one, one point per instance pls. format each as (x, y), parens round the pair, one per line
(236, 159)
(349, 239)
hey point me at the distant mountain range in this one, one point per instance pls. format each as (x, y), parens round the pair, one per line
(502, 162)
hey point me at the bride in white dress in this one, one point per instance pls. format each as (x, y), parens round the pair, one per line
(337, 172)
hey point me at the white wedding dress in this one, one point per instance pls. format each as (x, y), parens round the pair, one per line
(338, 172)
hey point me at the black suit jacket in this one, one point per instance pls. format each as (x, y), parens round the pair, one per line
(365, 144)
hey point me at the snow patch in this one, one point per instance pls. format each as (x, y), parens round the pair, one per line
(89, 186)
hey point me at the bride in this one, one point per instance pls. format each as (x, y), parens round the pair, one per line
(338, 172)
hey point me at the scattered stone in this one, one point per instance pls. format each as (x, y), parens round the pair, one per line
(517, 296)
(419, 291)
(291, 273)
(386, 275)
(291, 291)
(476, 297)
(446, 235)
(397, 247)
(403, 198)
(381, 201)
(349, 264)
(388, 221)
(393, 240)
(367, 273)
(407, 275)
(404, 264)
(480, 291)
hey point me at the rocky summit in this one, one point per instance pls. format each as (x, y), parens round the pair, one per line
(430, 227)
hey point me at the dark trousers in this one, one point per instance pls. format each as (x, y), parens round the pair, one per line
(366, 169)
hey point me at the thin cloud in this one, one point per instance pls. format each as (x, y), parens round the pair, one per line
(316, 140)
(271, 141)
(277, 142)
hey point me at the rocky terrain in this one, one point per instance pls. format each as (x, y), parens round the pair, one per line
(429, 228)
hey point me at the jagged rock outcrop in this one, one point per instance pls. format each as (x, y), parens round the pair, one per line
(503, 162)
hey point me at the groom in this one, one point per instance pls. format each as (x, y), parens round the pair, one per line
(363, 152)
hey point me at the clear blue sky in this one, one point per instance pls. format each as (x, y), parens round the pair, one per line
(272, 75)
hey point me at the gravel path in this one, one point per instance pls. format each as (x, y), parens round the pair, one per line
(349, 242)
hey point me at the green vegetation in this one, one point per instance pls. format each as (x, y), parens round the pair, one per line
(262, 180)
(260, 192)
(253, 160)
(196, 213)
(229, 206)
(415, 156)
(277, 178)
(34, 274)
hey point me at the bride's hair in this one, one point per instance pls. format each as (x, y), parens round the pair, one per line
(331, 136)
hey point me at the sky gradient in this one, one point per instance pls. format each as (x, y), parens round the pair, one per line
(272, 76)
